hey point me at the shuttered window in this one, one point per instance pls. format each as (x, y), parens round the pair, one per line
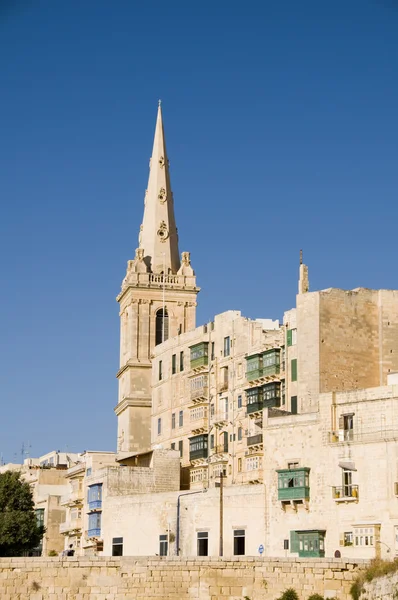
(293, 369)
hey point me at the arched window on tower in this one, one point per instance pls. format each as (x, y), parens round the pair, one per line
(162, 326)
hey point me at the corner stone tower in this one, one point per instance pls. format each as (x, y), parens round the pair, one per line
(157, 301)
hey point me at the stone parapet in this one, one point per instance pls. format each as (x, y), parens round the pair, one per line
(150, 578)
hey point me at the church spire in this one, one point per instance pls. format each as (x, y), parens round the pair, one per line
(158, 233)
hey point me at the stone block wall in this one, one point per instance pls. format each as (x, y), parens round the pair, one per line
(123, 578)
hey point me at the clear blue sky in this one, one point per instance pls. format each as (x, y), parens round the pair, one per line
(282, 132)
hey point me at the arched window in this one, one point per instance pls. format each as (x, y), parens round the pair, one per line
(162, 326)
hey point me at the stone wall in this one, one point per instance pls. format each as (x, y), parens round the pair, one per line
(179, 578)
(382, 588)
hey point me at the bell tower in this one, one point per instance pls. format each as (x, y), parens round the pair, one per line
(157, 301)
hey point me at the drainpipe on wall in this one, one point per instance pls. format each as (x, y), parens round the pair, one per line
(178, 517)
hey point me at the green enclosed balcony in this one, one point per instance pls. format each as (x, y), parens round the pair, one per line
(266, 396)
(254, 400)
(294, 484)
(308, 543)
(199, 355)
(263, 365)
(198, 447)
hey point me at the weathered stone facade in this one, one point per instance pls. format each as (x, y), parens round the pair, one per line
(182, 579)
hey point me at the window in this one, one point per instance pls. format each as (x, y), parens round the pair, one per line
(347, 538)
(95, 496)
(181, 447)
(293, 465)
(94, 524)
(39, 512)
(212, 410)
(173, 420)
(174, 364)
(293, 369)
(181, 361)
(283, 392)
(117, 546)
(227, 346)
(160, 371)
(159, 426)
(163, 545)
(198, 475)
(197, 413)
(239, 401)
(254, 463)
(173, 446)
(347, 422)
(240, 370)
(293, 405)
(364, 536)
(309, 543)
(181, 418)
(239, 465)
(199, 355)
(347, 483)
(203, 543)
(291, 337)
(239, 542)
(88, 472)
(239, 433)
(212, 351)
(224, 437)
(198, 447)
(162, 326)
(212, 441)
(224, 379)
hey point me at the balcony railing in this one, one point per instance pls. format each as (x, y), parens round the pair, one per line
(72, 498)
(362, 435)
(95, 505)
(201, 393)
(201, 423)
(70, 525)
(219, 419)
(342, 435)
(76, 469)
(96, 532)
(263, 372)
(254, 407)
(220, 449)
(346, 492)
(223, 387)
(254, 440)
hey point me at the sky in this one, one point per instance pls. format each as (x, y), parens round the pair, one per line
(282, 133)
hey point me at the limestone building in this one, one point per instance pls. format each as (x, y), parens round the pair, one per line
(157, 301)
(297, 421)
(46, 477)
(82, 503)
(208, 392)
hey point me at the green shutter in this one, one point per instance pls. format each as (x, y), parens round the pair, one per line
(293, 369)
(294, 541)
(289, 337)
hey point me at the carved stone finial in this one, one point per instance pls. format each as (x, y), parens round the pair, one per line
(185, 268)
(159, 103)
(139, 254)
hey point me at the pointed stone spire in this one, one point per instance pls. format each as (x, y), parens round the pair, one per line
(304, 285)
(158, 234)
